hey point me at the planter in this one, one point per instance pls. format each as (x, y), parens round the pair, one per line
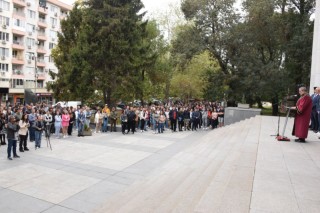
(245, 106)
(87, 133)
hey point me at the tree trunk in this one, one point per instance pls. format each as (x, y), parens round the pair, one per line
(104, 96)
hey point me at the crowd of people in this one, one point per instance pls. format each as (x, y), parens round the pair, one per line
(28, 123)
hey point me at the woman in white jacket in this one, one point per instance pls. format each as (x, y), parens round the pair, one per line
(23, 133)
(98, 120)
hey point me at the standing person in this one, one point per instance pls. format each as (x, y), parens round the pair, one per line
(167, 117)
(76, 113)
(113, 119)
(131, 120)
(23, 133)
(209, 117)
(106, 114)
(32, 119)
(214, 120)
(57, 123)
(81, 120)
(48, 123)
(186, 118)
(162, 120)
(3, 129)
(65, 123)
(71, 123)
(220, 112)
(204, 118)
(39, 127)
(314, 115)
(180, 119)
(155, 121)
(195, 119)
(124, 121)
(12, 129)
(143, 117)
(98, 119)
(173, 115)
(302, 119)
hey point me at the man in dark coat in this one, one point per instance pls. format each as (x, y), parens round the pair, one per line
(173, 115)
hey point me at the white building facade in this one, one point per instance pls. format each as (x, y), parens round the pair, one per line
(28, 32)
(315, 68)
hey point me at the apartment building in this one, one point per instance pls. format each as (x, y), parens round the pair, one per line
(28, 32)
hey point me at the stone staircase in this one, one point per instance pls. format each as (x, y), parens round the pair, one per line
(215, 174)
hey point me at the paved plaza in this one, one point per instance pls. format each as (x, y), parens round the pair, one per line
(238, 168)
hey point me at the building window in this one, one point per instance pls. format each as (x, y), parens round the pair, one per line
(4, 52)
(31, 14)
(40, 84)
(4, 21)
(4, 36)
(53, 22)
(51, 59)
(30, 42)
(53, 9)
(4, 5)
(17, 83)
(51, 45)
(53, 34)
(31, 28)
(18, 23)
(4, 67)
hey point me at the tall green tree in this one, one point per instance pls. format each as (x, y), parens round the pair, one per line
(103, 46)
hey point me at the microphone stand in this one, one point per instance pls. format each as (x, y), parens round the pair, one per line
(282, 137)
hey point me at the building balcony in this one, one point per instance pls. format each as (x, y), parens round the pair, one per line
(18, 76)
(15, 90)
(42, 37)
(17, 60)
(18, 32)
(42, 23)
(41, 63)
(19, 15)
(41, 10)
(41, 50)
(21, 3)
(41, 76)
(17, 45)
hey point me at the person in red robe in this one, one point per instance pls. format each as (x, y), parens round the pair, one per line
(302, 119)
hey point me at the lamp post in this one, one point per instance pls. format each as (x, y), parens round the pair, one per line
(34, 57)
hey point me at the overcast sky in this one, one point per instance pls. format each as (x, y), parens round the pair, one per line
(152, 6)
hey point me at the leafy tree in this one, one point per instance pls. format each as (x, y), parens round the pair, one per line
(104, 45)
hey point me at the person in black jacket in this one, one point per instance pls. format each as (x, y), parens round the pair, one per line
(12, 129)
(180, 119)
(173, 115)
(196, 119)
(131, 120)
(71, 122)
(186, 119)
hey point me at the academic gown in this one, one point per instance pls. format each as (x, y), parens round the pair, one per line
(302, 119)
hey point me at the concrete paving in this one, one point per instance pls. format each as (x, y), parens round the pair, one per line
(238, 168)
